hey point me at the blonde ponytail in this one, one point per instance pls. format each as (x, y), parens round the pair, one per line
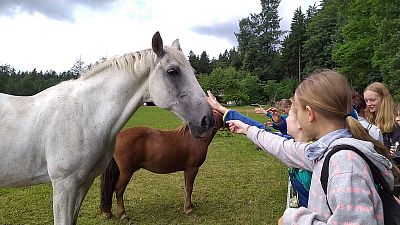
(359, 132)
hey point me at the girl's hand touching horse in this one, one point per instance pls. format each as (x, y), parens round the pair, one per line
(215, 105)
(238, 127)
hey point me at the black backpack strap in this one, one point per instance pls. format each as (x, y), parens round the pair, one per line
(378, 177)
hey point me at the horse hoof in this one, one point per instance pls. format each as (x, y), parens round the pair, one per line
(108, 215)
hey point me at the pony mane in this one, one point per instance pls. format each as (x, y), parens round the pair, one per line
(125, 61)
(182, 129)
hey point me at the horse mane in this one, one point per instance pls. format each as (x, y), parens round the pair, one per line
(125, 61)
(128, 60)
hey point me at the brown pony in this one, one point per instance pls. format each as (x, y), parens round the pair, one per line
(157, 151)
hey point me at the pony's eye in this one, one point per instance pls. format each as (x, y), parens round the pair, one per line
(172, 72)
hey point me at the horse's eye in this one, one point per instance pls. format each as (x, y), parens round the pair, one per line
(172, 72)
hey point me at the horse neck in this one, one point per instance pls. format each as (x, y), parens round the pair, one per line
(116, 90)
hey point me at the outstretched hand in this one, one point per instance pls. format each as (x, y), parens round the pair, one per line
(237, 126)
(215, 105)
(276, 116)
(260, 110)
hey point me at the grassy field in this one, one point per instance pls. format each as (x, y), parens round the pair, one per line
(237, 184)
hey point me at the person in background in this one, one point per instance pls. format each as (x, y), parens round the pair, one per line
(397, 119)
(380, 112)
(277, 114)
(359, 106)
(323, 113)
(299, 178)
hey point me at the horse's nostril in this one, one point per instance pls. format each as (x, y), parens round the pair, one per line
(205, 122)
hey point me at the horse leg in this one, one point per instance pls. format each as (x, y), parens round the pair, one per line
(190, 175)
(68, 196)
(124, 178)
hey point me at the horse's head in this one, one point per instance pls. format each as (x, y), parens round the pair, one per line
(173, 86)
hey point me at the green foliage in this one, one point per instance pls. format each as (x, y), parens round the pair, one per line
(279, 90)
(354, 53)
(28, 83)
(387, 47)
(321, 34)
(227, 59)
(239, 86)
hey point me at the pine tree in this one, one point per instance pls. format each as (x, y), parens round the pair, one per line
(259, 42)
(292, 52)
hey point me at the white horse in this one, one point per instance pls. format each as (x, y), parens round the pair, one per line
(66, 134)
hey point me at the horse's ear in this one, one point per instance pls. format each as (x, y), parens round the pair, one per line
(157, 44)
(176, 45)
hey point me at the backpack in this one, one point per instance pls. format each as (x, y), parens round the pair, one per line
(391, 207)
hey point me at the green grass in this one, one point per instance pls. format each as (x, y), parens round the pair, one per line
(237, 184)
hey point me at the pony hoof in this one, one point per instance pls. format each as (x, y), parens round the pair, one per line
(124, 217)
(188, 211)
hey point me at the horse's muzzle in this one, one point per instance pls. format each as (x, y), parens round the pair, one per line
(206, 123)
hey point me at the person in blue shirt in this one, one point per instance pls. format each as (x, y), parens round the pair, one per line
(277, 114)
(300, 179)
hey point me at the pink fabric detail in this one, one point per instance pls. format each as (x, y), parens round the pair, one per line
(357, 190)
(350, 156)
(350, 207)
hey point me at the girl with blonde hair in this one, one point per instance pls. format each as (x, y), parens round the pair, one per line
(380, 111)
(322, 105)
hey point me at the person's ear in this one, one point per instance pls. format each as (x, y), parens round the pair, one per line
(310, 114)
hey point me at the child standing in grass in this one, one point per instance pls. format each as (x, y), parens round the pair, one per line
(322, 104)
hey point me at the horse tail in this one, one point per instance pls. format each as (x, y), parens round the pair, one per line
(109, 180)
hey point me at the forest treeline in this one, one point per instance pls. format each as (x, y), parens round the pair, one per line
(359, 38)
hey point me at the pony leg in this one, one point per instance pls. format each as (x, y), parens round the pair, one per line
(190, 175)
(68, 196)
(124, 178)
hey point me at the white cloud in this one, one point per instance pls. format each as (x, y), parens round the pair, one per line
(33, 39)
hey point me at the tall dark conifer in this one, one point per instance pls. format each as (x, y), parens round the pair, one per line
(259, 42)
(293, 60)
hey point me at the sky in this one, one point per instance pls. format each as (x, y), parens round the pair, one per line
(53, 34)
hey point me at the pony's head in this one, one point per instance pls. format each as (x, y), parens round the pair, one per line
(173, 86)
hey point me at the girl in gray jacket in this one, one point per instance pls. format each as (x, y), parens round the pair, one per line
(322, 104)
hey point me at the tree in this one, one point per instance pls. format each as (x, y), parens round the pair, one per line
(353, 54)
(310, 13)
(322, 33)
(259, 42)
(387, 48)
(194, 61)
(292, 51)
(78, 67)
(204, 63)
